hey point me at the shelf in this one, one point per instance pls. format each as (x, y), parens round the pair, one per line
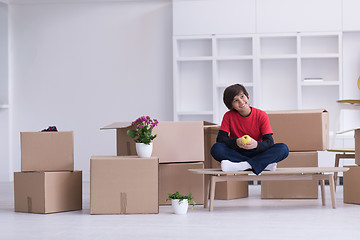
(195, 113)
(193, 59)
(325, 56)
(278, 56)
(4, 106)
(230, 58)
(322, 83)
(224, 85)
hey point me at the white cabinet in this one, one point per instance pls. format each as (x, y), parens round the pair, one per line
(276, 16)
(193, 17)
(351, 16)
(280, 71)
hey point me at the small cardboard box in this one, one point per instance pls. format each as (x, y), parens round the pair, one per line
(47, 151)
(230, 189)
(123, 185)
(175, 141)
(357, 146)
(293, 189)
(176, 177)
(301, 130)
(351, 183)
(47, 192)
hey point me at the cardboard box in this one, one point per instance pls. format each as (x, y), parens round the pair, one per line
(47, 192)
(175, 141)
(293, 189)
(47, 151)
(351, 183)
(210, 135)
(302, 130)
(175, 177)
(357, 146)
(123, 185)
(230, 189)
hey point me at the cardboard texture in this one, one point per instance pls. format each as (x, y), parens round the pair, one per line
(175, 177)
(47, 192)
(230, 189)
(351, 183)
(293, 189)
(175, 141)
(123, 185)
(357, 146)
(301, 130)
(47, 151)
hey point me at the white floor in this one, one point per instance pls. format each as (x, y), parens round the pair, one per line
(250, 218)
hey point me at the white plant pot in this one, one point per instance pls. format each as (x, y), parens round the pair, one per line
(143, 150)
(180, 207)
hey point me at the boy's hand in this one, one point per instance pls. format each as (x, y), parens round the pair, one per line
(251, 145)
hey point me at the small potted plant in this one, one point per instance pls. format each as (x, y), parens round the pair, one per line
(142, 135)
(179, 202)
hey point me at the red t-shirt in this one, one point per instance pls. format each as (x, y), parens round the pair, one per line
(255, 125)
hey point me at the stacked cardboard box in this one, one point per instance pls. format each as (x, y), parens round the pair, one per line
(305, 132)
(47, 182)
(351, 178)
(179, 146)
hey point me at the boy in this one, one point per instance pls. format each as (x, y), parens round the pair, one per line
(260, 153)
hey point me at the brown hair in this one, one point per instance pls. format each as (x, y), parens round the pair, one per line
(232, 91)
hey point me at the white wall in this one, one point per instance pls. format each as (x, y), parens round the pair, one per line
(81, 66)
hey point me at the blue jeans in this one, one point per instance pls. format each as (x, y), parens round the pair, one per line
(258, 161)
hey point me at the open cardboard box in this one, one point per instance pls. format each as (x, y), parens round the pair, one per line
(301, 130)
(175, 142)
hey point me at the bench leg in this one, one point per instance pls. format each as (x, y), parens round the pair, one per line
(206, 191)
(322, 185)
(212, 192)
(332, 190)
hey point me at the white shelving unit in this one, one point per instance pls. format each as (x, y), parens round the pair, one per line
(273, 68)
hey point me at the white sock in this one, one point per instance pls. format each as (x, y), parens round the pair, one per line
(228, 166)
(271, 167)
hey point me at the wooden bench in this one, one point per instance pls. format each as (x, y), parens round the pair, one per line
(212, 176)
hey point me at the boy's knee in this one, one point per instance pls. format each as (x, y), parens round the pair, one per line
(284, 149)
(216, 150)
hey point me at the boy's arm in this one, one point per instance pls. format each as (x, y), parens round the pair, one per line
(266, 143)
(224, 138)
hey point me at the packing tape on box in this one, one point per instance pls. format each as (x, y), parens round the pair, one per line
(123, 202)
(29, 204)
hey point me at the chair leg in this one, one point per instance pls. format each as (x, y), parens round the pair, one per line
(337, 160)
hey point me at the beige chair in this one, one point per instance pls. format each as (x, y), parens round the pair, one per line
(341, 153)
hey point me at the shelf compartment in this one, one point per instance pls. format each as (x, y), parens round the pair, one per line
(194, 48)
(279, 84)
(319, 44)
(234, 71)
(234, 46)
(195, 86)
(278, 45)
(325, 68)
(321, 97)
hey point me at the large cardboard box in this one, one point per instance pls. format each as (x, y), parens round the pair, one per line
(357, 146)
(230, 189)
(47, 192)
(293, 189)
(351, 185)
(175, 141)
(176, 177)
(47, 151)
(123, 185)
(301, 130)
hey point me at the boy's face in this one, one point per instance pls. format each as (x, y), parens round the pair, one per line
(241, 104)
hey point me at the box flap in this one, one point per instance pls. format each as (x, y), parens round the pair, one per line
(116, 125)
(297, 111)
(349, 130)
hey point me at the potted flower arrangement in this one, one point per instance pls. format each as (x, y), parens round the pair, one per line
(142, 135)
(180, 203)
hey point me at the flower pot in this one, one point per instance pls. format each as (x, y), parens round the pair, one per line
(144, 150)
(180, 207)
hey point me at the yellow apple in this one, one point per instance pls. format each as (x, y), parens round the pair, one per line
(245, 139)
